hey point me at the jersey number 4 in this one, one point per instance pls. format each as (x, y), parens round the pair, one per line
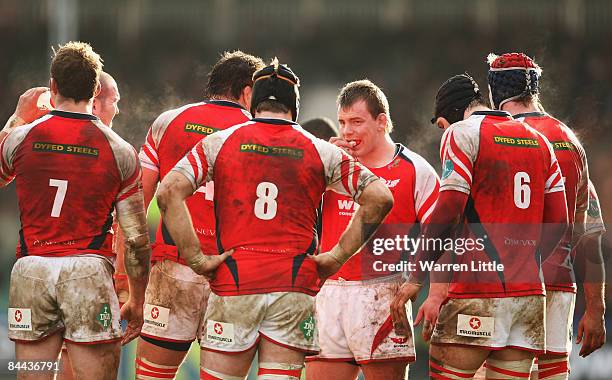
(60, 195)
(265, 205)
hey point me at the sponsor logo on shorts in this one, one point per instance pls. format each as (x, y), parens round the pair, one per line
(475, 326)
(105, 316)
(308, 327)
(156, 316)
(399, 341)
(219, 332)
(19, 319)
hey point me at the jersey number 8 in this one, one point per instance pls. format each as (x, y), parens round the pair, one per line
(265, 205)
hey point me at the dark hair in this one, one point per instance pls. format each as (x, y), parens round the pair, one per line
(76, 68)
(231, 74)
(365, 90)
(321, 127)
(272, 106)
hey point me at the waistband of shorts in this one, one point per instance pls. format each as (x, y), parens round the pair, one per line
(379, 280)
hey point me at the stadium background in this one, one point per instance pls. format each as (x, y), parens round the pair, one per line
(160, 51)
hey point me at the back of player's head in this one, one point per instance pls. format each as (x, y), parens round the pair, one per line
(275, 89)
(76, 68)
(512, 76)
(231, 74)
(321, 127)
(455, 96)
(376, 100)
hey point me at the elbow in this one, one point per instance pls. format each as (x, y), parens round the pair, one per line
(386, 201)
(164, 194)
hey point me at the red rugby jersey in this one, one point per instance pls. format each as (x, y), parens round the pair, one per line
(558, 270)
(71, 171)
(414, 185)
(270, 175)
(507, 168)
(170, 137)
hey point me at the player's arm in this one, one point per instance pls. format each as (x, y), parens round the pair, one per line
(26, 110)
(346, 176)
(555, 223)
(180, 183)
(150, 177)
(375, 203)
(591, 328)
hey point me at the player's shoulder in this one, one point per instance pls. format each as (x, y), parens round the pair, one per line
(19, 133)
(420, 164)
(114, 139)
(168, 116)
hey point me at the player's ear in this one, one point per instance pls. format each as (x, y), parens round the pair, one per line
(442, 123)
(381, 122)
(53, 86)
(245, 97)
(98, 89)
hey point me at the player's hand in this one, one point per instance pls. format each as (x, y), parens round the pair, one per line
(408, 291)
(347, 146)
(209, 265)
(591, 332)
(326, 265)
(132, 312)
(27, 108)
(428, 314)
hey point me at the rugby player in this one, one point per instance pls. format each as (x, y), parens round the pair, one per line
(358, 292)
(176, 297)
(105, 107)
(514, 87)
(501, 184)
(321, 127)
(269, 176)
(61, 285)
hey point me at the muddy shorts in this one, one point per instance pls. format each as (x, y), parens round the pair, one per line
(493, 323)
(74, 294)
(354, 322)
(236, 323)
(175, 302)
(559, 317)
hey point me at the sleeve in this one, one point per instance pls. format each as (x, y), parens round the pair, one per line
(554, 178)
(131, 174)
(8, 147)
(594, 219)
(343, 174)
(426, 189)
(195, 166)
(458, 153)
(584, 185)
(148, 153)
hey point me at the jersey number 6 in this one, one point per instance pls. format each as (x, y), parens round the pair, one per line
(522, 191)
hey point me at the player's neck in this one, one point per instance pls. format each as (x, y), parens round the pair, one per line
(469, 111)
(69, 105)
(381, 155)
(515, 108)
(273, 115)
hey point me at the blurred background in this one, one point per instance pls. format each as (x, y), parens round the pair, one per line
(160, 51)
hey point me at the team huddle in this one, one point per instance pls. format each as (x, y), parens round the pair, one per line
(263, 243)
